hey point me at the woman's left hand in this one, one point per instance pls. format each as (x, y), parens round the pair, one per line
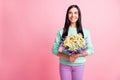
(75, 55)
(79, 55)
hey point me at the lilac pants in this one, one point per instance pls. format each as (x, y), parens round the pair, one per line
(71, 72)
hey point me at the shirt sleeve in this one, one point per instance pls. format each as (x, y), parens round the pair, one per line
(56, 43)
(90, 49)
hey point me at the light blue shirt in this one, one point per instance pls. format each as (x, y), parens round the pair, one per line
(79, 60)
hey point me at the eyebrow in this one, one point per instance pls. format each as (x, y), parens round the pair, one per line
(71, 11)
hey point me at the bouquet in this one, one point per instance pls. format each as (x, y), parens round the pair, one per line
(74, 43)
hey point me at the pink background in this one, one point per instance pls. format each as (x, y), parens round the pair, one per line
(28, 29)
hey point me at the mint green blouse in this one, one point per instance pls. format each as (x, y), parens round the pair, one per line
(79, 60)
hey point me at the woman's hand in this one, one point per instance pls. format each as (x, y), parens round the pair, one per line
(73, 57)
(80, 55)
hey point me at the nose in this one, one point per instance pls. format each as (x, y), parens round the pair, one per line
(73, 14)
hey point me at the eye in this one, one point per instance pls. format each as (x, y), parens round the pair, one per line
(75, 12)
(70, 12)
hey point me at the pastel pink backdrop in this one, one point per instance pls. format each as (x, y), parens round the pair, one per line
(28, 29)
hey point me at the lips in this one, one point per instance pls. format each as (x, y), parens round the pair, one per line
(73, 19)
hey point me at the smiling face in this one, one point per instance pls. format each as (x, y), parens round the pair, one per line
(73, 15)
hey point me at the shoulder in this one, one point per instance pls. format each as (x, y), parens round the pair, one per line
(60, 31)
(85, 30)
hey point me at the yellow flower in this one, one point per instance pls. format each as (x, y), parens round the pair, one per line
(74, 41)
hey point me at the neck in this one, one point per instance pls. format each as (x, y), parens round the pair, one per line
(73, 24)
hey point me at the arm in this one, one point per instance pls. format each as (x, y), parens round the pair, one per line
(67, 57)
(56, 43)
(90, 49)
(80, 55)
(83, 54)
(61, 55)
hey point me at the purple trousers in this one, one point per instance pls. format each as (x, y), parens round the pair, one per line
(71, 72)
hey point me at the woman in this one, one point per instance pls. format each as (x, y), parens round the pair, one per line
(72, 66)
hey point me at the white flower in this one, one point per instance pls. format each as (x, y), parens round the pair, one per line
(74, 42)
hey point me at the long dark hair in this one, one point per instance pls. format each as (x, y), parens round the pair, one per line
(67, 23)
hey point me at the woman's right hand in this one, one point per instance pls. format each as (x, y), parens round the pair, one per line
(72, 58)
